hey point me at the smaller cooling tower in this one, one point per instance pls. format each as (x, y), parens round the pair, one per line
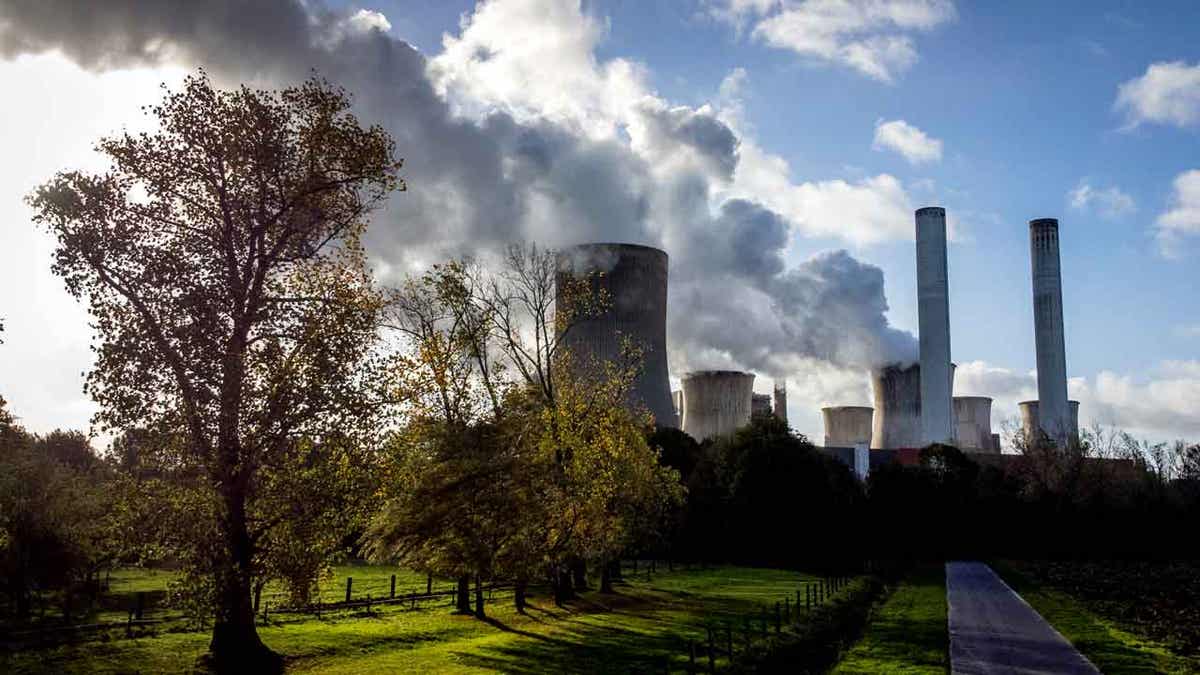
(1031, 423)
(716, 402)
(973, 423)
(847, 426)
(897, 420)
(760, 404)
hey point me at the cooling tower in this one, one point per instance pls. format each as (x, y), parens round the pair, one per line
(897, 419)
(973, 422)
(933, 311)
(847, 426)
(1054, 415)
(760, 404)
(781, 400)
(1030, 419)
(716, 402)
(634, 280)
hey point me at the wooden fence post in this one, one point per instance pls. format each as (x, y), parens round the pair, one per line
(141, 605)
(712, 656)
(787, 608)
(778, 620)
(393, 586)
(691, 656)
(349, 586)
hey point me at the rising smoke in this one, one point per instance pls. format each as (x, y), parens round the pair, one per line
(589, 154)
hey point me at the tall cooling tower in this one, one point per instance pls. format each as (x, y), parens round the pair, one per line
(933, 310)
(846, 426)
(635, 281)
(1054, 416)
(716, 402)
(897, 419)
(1031, 419)
(973, 421)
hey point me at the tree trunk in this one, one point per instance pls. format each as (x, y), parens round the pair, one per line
(235, 645)
(579, 575)
(606, 578)
(519, 595)
(462, 604)
(563, 591)
(614, 570)
(479, 613)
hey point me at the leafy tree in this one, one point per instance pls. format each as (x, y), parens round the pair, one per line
(221, 262)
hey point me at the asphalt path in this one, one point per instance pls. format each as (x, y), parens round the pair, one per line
(993, 630)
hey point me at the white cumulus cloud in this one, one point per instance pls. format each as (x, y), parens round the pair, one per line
(873, 37)
(1182, 219)
(1110, 202)
(1168, 93)
(913, 144)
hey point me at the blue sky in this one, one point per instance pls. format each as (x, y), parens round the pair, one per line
(1004, 112)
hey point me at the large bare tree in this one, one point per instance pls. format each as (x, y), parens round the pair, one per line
(220, 258)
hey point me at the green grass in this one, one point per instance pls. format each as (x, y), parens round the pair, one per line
(908, 634)
(1112, 649)
(646, 623)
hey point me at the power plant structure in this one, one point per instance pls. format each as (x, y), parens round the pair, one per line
(1053, 415)
(897, 421)
(973, 424)
(847, 426)
(760, 404)
(716, 402)
(633, 280)
(914, 403)
(933, 316)
(1031, 426)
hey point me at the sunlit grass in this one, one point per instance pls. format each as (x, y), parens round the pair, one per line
(647, 623)
(908, 634)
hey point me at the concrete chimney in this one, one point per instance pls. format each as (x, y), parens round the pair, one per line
(781, 399)
(933, 312)
(1053, 413)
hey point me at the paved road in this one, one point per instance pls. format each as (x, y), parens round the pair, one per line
(993, 630)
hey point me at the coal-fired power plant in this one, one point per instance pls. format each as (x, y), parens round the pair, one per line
(847, 426)
(933, 315)
(1053, 414)
(716, 402)
(973, 424)
(633, 279)
(914, 402)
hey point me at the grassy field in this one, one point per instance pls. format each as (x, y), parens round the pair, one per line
(639, 629)
(1112, 648)
(908, 633)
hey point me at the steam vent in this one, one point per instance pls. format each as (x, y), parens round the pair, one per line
(635, 281)
(716, 402)
(1054, 417)
(897, 419)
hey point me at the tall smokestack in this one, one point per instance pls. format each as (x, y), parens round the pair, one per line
(781, 400)
(1053, 413)
(933, 312)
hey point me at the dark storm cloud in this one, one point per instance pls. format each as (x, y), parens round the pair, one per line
(475, 184)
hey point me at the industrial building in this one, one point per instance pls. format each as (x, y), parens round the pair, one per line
(634, 280)
(716, 402)
(914, 403)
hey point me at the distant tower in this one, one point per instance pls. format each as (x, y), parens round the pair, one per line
(933, 311)
(635, 281)
(781, 399)
(760, 405)
(1053, 413)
